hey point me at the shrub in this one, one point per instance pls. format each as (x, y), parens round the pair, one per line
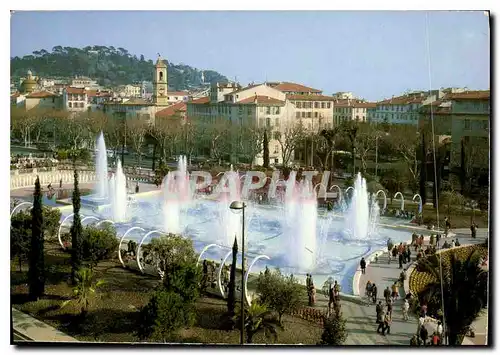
(20, 235)
(334, 330)
(51, 218)
(98, 244)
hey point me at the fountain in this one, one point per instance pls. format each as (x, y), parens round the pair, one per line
(357, 220)
(118, 194)
(289, 230)
(176, 197)
(101, 164)
(300, 224)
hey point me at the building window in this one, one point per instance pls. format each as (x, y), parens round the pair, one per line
(268, 110)
(276, 160)
(297, 114)
(299, 104)
(277, 110)
(322, 105)
(303, 114)
(276, 135)
(268, 122)
(315, 115)
(249, 110)
(276, 149)
(81, 104)
(69, 104)
(316, 105)
(309, 114)
(466, 123)
(328, 104)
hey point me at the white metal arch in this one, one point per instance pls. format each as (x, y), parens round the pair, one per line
(104, 220)
(205, 249)
(219, 275)
(249, 301)
(90, 217)
(419, 202)
(349, 188)
(140, 244)
(121, 241)
(402, 200)
(385, 198)
(340, 191)
(320, 184)
(60, 228)
(19, 205)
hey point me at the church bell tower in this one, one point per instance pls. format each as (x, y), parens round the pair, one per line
(160, 85)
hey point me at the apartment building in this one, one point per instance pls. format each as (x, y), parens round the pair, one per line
(75, 99)
(130, 91)
(351, 110)
(402, 109)
(174, 97)
(274, 105)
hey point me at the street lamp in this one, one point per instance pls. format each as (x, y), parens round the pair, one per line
(239, 205)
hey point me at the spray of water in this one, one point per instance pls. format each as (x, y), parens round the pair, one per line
(357, 217)
(101, 163)
(118, 194)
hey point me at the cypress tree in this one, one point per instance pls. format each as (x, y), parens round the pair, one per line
(36, 273)
(423, 171)
(265, 143)
(76, 232)
(231, 296)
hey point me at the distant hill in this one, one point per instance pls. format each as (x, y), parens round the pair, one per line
(108, 65)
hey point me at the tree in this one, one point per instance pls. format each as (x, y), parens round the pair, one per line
(351, 129)
(330, 136)
(452, 198)
(163, 316)
(474, 159)
(36, 273)
(257, 320)
(20, 236)
(51, 220)
(289, 138)
(136, 131)
(76, 232)
(281, 293)
(167, 133)
(423, 171)
(251, 142)
(84, 289)
(265, 143)
(167, 251)
(404, 140)
(231, 296)
(465, 286)
(365, 142)
(334, 329)
(98, 244)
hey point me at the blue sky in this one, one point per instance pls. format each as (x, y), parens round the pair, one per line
(373, 54)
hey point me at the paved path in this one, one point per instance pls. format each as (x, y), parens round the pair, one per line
(384, 274)
(27, 328)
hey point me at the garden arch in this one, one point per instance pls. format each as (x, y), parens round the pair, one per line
(104, 220)
(140, 244)
(402, 200)
(204, 250)
(219, 276)
(248, 273)
(320, 184)
(121, 241)
(60, 229)
(340, 191)
(19, 205)
(385, 198)
(420, 207)
(349, 188)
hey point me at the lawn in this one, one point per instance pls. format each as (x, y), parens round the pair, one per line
(113, 312)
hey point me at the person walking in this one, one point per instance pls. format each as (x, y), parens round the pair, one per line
(60, 184)
(406, 307)
(380, 321)
(374, 293)
(387, 294)
(400, 255)
(408, 253)
(387, 324)
(362, 264)
(424, 334)
(438, 238)
(379, 308)
(368, 289)
(395, 292)
(389, 307)
(137, 188)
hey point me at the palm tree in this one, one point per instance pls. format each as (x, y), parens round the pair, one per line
(464, 292)
(257, 320)
(84, 289)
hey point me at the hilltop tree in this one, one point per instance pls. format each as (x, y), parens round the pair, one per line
(36, 273)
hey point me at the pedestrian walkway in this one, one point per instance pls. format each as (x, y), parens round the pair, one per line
(27, 328)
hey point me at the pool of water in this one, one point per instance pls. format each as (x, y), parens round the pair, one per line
(337, 254)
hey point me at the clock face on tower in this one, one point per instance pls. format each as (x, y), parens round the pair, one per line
(161, 91)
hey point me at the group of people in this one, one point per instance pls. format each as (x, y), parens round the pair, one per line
(402, 252)
(422, 336)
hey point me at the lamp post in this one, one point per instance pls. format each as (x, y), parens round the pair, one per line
(239, 205)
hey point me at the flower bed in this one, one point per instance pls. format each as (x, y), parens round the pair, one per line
(419, 280)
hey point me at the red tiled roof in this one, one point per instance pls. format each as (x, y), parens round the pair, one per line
(201, 100)
(172, 110)
(292, 87)
(71, 90)
(403, 100)
(40, 95)
(310, 97)
(178, 93)
(470, 95)
(261, 100)
(354, 103)
(240, 89)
